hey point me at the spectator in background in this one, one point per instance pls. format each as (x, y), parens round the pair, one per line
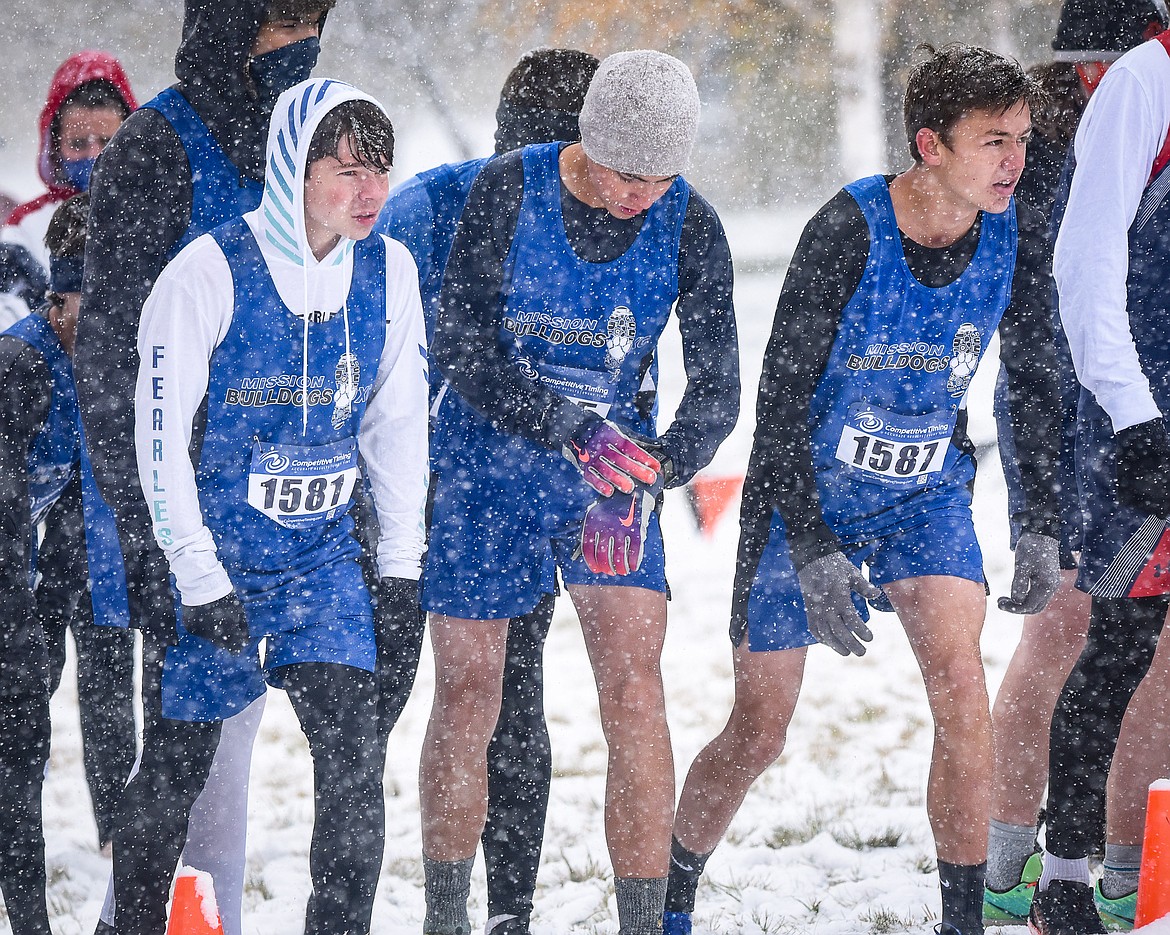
(88, 99)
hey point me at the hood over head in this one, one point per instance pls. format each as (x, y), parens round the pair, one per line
(298, 113)
(212, 67)
(1104, 30)
(80, 68)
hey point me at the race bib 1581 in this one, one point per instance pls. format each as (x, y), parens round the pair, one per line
(300, 486)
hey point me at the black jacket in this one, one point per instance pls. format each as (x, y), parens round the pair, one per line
(140, 206)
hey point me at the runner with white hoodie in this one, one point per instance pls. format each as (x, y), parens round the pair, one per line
(275, 352)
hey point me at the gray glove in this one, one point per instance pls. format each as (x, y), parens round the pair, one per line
(827, 585)
(1037, 574)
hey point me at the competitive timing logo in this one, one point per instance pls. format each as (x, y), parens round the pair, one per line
(274, 462)
(869, 421)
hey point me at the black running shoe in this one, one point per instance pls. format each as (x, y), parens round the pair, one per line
(1065, 908)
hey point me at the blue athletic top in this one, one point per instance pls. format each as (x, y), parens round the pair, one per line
(219, 192)
(423, 214)
(274, 479)
(56, 453)
(581, 329)
(53, 456)
(886, 406)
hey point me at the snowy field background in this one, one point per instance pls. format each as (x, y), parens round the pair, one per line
(833, 840)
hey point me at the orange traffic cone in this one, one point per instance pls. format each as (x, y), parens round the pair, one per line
(710, 497)
(193, 908)
(1153, 900)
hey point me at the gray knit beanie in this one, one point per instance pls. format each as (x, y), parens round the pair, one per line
(641, 114)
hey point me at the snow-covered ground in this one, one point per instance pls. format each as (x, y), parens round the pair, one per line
(832, 840)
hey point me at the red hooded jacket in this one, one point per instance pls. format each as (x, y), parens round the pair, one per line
(72, 73)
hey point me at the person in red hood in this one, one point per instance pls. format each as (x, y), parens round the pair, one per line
(88, 99)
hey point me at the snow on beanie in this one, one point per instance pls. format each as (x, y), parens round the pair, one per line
(1102, 30)
(641, 114)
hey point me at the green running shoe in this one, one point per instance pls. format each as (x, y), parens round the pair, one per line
(1117, 914)
(1011, 907)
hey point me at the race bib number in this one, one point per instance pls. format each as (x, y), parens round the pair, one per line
(588, 388)
(301, 486)
(882, 447)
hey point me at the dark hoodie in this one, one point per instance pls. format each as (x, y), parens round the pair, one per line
(140, 208)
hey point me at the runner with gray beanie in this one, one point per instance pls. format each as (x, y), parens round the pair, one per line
(566, 264)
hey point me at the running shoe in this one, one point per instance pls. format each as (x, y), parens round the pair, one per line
(1011, 906)
(1065, 908)
(1117, 914)
(676, 923)
(506, 925)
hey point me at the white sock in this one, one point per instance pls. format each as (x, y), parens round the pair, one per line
(1075, 870)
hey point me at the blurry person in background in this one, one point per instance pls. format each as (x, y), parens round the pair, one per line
(40, 456)
(187, 161)
(539, 103)
(1089, 36)
(104, 652)
(88, 99)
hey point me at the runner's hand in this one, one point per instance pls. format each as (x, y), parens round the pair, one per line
(613, 535)
(222, 623)
(610, 460)
(1037, 574)
(827, 585)
(1143, 468)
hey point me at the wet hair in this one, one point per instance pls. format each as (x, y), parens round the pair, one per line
(66, 233)
(1057, 118)
(958, 80)
(366, 128)
(97, 94)
(297, 9)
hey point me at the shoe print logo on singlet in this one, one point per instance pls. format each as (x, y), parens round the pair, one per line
(346, 375)
(620, 331)
(964, 358)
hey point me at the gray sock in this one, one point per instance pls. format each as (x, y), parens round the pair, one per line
(1072, 869)
(1008, 849)
(448, 884)
(1123, 863)
(639, 904)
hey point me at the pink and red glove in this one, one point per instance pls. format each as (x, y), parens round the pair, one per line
(613, 535)
(611, 461)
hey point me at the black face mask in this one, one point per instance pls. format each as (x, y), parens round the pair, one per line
(276, 71)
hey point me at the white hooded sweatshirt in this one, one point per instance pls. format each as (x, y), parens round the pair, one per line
(189, 312)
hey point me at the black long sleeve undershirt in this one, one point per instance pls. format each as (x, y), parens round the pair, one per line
(467, 348)
(140, 205)
(826, 270)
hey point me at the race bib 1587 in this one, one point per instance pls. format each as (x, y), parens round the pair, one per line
(893, 450)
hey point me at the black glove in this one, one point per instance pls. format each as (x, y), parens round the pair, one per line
(222, 623)
(827, 585)
(1143, 468)
(399, 608)
(1037, 574)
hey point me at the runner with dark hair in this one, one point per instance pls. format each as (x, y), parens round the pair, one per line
(861, 457)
